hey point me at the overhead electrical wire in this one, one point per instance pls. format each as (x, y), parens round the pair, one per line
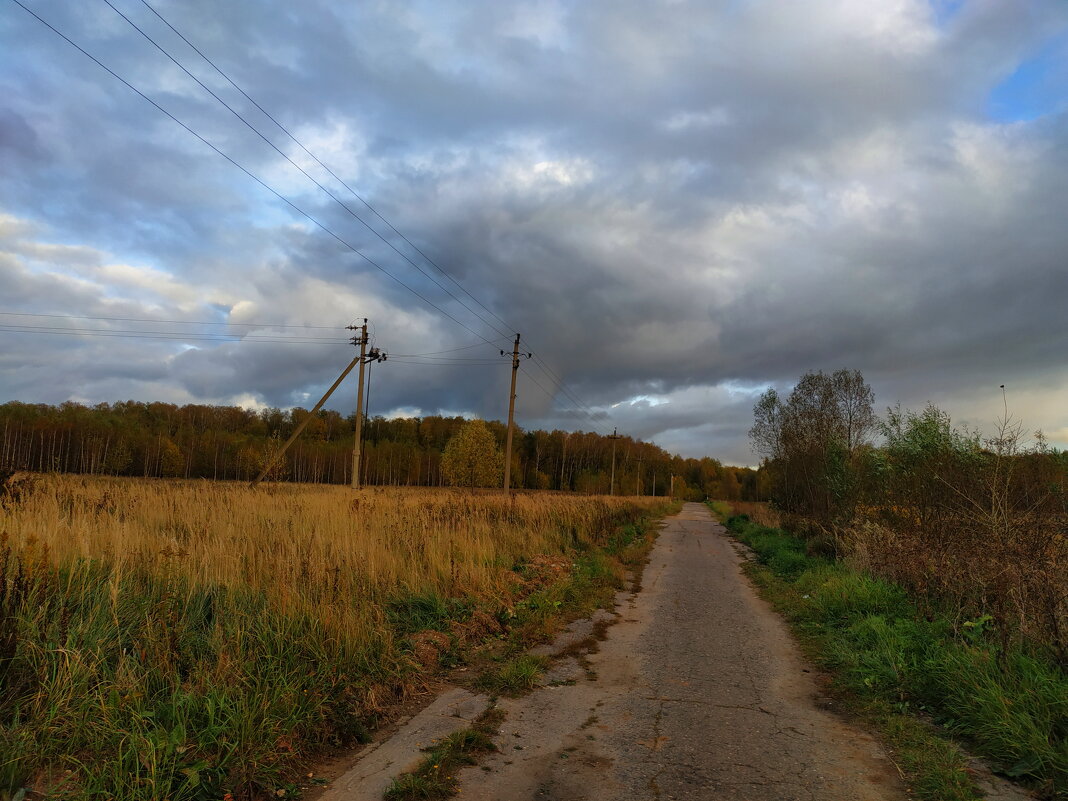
(171, 337)
(588, 414)
(564, 389)
(289, 159)
(183, 337)
(435, 352)
(203, 334)
(560, 384)
(330, 172)
(243, 169)
(154, 320)
(432, 364)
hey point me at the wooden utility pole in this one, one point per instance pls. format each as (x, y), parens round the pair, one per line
(296, 432)
(365, 357)
(511, 416)
(563, 459)
(612, 484)
(366, 406)
(360, 340)
(638, 486)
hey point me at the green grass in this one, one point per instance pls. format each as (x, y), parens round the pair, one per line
(721, 509)
(138, 675)
(899, 668)
(435, 778)
(515, 677)
(427, 610)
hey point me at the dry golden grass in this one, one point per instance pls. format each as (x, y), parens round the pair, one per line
(308, 545)
(183, 640)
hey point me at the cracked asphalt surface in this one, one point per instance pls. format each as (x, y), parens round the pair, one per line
(697, 692)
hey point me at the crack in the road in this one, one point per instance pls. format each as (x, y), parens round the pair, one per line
(756, 709)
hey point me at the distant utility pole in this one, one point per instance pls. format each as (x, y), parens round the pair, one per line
(671, 492)
(361, 341)
(612, 485)
(373, 356)
(364, 357)
(638, 486)
(511, 415)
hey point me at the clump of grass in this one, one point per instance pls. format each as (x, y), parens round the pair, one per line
(435, 777)
(424, 611)
(891, 661)
(515, 677)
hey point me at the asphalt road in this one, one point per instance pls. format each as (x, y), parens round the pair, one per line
(697, 692)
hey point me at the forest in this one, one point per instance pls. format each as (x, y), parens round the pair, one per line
(163, 440)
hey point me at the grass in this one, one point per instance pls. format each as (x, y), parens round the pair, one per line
(902, 669)
(435, 778)
(183, 640)
(515, 677)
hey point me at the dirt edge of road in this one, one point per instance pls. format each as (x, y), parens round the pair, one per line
(449, 705)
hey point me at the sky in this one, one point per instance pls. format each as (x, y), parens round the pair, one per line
(677, 204)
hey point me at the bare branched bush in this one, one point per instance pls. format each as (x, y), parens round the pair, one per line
(976, 523)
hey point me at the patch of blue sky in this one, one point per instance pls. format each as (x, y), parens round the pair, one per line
(1035, 88)
(945, 10)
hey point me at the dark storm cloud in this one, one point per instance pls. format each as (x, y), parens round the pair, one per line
(677, 204)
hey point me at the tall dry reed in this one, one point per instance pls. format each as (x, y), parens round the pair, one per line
(183, 639)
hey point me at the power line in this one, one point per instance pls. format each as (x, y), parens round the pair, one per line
(438, 364)
(202, 334)
(220, 336)
(247, 172)
(304, 172)
(543, 367)
(559, 381)
(171, 337)
(563, 387)
(586, 413)
(449, 350)
(316, 159)
(153, 320)
(537, 383)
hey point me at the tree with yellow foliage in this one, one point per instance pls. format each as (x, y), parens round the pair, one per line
(472, 457)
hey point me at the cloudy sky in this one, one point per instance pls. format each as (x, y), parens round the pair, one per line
(678, 204)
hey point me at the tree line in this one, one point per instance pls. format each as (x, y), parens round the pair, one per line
(160, 440)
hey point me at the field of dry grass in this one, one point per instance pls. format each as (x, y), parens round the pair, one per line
(182, 640)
